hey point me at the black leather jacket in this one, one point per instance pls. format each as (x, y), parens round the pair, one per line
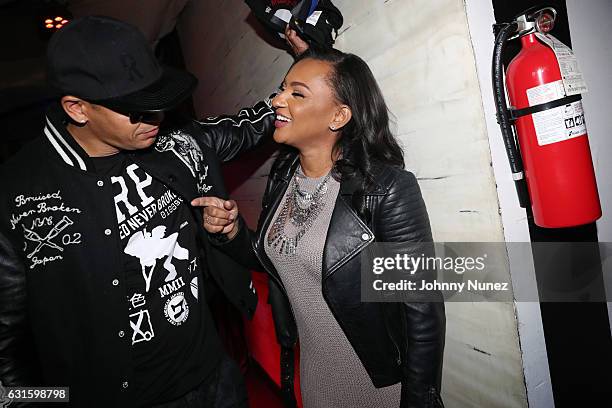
(396, 342)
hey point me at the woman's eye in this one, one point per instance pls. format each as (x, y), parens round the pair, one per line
(297, 94)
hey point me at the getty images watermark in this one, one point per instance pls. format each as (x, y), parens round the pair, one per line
(480, 271)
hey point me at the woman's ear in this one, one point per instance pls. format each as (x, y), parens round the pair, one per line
(74, 107)
(342, 116)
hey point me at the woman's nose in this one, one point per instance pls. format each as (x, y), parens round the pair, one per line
(278, 101)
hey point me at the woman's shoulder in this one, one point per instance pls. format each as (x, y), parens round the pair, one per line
(390, 177)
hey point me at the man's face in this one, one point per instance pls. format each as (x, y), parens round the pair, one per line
(115, 131)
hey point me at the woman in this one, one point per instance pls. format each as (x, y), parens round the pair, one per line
(339, 185)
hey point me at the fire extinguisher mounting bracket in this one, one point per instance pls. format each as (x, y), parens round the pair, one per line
(517, 113)
(535, 19)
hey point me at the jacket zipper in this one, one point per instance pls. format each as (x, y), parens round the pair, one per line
(277, 280)
(399, 354)
(390, 332)
(404, 328)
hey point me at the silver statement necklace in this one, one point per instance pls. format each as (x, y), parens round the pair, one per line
(300, 209)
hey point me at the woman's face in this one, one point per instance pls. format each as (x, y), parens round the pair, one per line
(306, 107)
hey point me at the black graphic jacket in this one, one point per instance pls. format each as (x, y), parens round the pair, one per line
(62, 291)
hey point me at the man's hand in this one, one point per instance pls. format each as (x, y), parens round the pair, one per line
(220, 216)
(298, 46)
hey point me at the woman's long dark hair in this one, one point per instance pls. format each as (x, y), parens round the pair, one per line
(366, 139)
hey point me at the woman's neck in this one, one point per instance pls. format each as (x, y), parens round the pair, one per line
(316, 163)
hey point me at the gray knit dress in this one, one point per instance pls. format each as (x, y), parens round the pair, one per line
(332, 375)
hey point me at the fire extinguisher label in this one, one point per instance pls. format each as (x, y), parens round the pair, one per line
(573, 81)
(557, 124)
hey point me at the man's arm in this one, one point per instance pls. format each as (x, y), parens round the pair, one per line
(15, 359)
(231, 135)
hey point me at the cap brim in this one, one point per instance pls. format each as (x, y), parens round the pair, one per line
(168, 92)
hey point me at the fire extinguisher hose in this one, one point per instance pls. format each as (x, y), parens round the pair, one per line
(503, 115)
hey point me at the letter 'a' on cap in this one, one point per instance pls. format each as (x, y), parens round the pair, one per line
(316, 21)
(109, 62)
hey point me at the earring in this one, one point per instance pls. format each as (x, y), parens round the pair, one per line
(332, 128)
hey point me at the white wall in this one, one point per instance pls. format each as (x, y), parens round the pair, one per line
(591, 32)
(421, 54)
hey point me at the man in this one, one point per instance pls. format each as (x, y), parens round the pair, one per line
(102, 257)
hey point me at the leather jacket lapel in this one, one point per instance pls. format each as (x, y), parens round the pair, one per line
(346, 237)
(347, 234)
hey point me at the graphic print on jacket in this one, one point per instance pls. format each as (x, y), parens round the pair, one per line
(188, 151)
(162, 269)
(48, 226)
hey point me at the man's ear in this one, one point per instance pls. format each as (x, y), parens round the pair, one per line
(342, 116)
(75, 108)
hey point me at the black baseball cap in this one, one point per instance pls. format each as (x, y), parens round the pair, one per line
(109, 62)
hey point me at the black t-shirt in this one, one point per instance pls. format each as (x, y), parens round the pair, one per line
(173, 339)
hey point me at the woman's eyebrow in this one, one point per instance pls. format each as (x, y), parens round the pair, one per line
(296, 83)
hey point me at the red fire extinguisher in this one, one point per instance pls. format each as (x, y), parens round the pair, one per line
(553, 153)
